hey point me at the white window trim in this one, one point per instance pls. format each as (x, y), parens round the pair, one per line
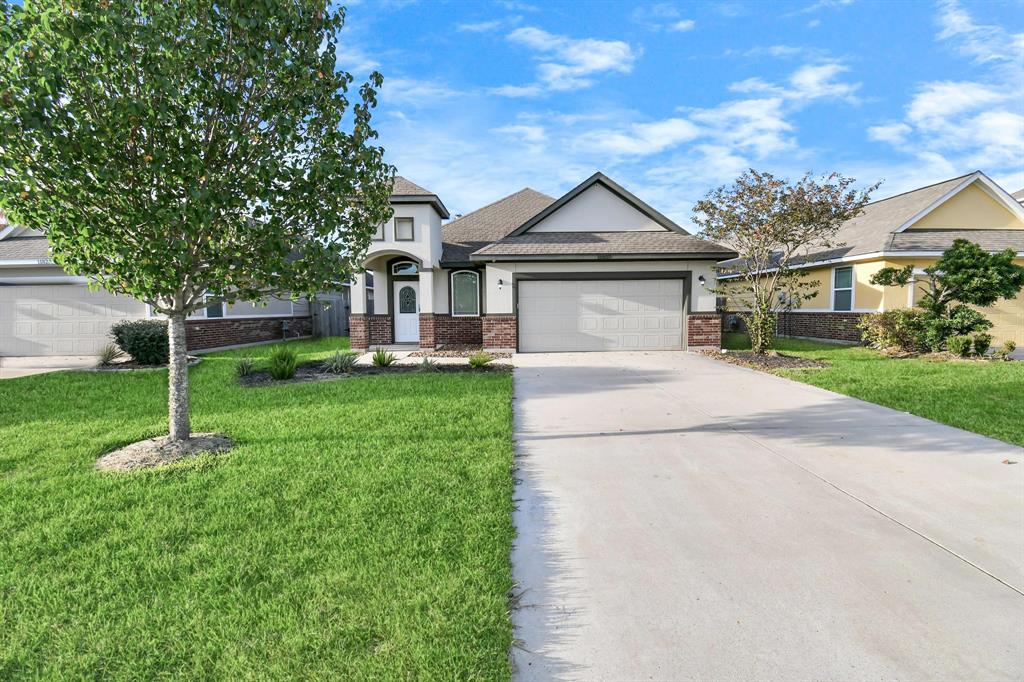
(383, 234)
(412, 224)
(852, 290)
(451, 293)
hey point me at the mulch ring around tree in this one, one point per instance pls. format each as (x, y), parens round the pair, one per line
(769, 362)
(161, 451)
(131, 365)
(457, 351)
(316, 372)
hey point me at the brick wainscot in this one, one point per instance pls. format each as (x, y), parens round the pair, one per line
(703, 330)
(499, 332)
(824, 325)
(369, 330)
(225, 331)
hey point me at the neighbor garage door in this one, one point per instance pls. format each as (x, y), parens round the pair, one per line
(59, 319)
(599, 315)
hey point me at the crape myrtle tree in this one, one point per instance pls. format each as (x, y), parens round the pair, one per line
(772, 223)
(187, 153)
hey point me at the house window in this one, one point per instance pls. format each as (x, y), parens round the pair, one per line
(842, 289)
(215, 309)
(378, 236)
(404, 268)
(465, 293)
(369, 292)
(404, 230)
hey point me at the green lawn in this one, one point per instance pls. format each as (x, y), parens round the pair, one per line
(986, 398)
(360, 529)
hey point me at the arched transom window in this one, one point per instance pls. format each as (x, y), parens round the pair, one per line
(405, 268)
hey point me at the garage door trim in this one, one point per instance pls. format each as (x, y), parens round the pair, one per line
(617, 275)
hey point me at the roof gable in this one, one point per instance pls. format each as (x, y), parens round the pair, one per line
(598, 204)
(973, 205)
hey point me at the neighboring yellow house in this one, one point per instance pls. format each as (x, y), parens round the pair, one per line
(910, 228)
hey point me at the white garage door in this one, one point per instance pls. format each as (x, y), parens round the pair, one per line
(60, 319)
(597, 315)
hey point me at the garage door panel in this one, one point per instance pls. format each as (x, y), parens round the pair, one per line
(60, 319)
(600, 315)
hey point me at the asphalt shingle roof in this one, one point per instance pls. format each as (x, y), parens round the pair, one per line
(487, 225)
(533, 244)
(24, 248)
(940, 240)
(407, 188)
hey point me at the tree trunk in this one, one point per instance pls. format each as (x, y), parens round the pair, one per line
(177, 379)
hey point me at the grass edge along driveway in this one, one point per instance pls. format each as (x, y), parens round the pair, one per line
(983, 397)
(360, 529)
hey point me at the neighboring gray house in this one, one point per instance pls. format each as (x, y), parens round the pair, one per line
(45, 311)
(596, 269)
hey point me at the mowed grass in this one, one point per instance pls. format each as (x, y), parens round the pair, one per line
(360, 529)
(983, 397)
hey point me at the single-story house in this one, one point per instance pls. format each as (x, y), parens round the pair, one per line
(596, 269)
(45, 311)
(914, 228)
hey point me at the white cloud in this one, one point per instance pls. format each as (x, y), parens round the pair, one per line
(809, 82)
(480, 26)
(662, 16)
(823, 4)
(415, 92)
(568, 63)
(526, 133)
(968, 124)
(641, 139)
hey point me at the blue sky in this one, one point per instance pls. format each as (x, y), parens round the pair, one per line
(673, 99)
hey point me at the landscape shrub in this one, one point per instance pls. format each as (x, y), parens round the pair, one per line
(145, 341)
(902, 329)
(1004, 352)
(479, 360)
(282, 363)
(427, 365)
(959, 345)
(244, 367)
(383, 358)
(110, 354)
(982, 342)
(341, 362)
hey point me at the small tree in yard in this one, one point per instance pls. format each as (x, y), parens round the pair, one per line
(772, 222)
(189, 153)
(966, 275)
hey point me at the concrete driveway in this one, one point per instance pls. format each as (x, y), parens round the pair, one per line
(681, 518)
(13, 367)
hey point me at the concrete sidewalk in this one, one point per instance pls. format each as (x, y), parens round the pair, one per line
(682, 518)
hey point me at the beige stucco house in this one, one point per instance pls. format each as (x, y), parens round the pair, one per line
(596, 269)
(914, 228)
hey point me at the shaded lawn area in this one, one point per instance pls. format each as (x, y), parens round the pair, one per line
(360, 529)
(983, 397)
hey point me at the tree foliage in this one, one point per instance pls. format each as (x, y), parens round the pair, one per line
(189, 152)
(965, 275)
(772, 223)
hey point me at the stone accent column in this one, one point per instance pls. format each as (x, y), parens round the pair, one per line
(704, 331)
(499, 332)
(428, 338)
(358, 331)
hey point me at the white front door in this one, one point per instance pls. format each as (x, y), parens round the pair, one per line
(407, 312)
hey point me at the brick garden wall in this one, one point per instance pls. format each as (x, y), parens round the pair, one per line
(203, 334)
(824, 325)
(499, 331)
(703, 330)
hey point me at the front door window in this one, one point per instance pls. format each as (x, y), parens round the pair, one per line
(407, 300)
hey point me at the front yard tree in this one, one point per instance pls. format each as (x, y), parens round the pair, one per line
(186, 153)
(965, 275)
(771, 223)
